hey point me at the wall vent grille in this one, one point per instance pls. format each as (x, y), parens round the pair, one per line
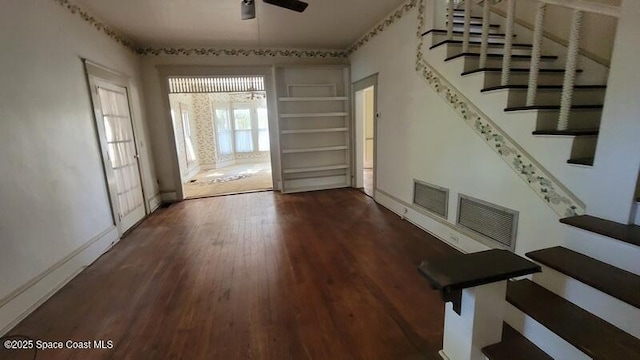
(497, 224)
(434, 199)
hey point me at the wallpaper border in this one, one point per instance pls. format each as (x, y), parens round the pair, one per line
(240, 52)
(548, 188)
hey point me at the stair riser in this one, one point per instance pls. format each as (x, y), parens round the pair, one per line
(442, 36)
(494, 79)
(605, 249)
(472, 63)
(552, 97)
(542, 337)
(606, 307)
(584, 147)
(476, 28)
(453, 49)
(580, 119)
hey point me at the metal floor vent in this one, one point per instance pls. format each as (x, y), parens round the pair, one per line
(431, 198)
(497, 224)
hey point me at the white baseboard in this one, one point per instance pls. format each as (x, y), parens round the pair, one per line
(24, 300)
(154, 203)
(440, 228)
(169, 196)
(443, 355)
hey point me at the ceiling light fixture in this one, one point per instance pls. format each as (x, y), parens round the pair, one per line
(248, 9)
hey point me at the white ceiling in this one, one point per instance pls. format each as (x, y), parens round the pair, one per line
(326, 24)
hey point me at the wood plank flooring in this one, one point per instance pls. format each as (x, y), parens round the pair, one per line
(323, 275)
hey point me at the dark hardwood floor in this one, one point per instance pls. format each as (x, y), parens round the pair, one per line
(322, 275)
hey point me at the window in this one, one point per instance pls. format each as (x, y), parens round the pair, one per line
(242, 128)
(223, 130)
(190, 153)
(263, 130)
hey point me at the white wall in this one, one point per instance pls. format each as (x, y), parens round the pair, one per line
(419, 136)
(155, 101)
(52, 188)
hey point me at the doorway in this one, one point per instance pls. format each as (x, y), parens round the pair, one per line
(365, 115)
(110, 98)
(221, 128)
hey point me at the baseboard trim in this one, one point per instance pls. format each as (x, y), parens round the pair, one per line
(169, 196)
(443, 355)
(437, 227)
(154, 203)
(16, 306)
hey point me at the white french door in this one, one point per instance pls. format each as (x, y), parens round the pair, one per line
(116, 132)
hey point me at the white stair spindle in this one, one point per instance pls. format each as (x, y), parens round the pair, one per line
(450, 9)
(536, 54)
(467, 26)
(486, 20)
(508, 43)
(570, 70)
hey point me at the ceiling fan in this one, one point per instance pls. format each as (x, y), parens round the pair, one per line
(248, 7)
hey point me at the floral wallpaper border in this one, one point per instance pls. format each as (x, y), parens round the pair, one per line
(202, 51)
(100, 26)
(556, 195)
(383, 25)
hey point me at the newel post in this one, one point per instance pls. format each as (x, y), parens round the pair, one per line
(474, 288)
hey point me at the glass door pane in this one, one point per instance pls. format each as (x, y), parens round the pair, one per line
(242, 127)
(122, 153)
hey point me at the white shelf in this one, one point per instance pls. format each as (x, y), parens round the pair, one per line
(305, 99)
(313, 115)
(304, 150)
(315, 131)
(318, 168)
(315, 188)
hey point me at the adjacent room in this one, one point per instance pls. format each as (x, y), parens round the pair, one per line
(221, 128)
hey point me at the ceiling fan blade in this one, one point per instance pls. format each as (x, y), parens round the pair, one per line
(294, 5)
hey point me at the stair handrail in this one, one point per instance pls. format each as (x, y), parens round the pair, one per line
(579, 8)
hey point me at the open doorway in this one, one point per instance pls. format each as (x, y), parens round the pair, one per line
(221, 128)
(365, 132)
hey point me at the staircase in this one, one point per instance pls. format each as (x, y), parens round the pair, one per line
(583, 305)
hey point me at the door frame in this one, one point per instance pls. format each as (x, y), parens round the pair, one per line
(266, 72)
(97, 74)
(358, 141)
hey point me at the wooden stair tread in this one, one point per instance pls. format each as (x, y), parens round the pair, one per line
(491, 44)
(609, 279)
(462, 17)
(627, 233)
(515, 56)
(516, 70)
(587, 161)
(542, 87)
(595, 337)
(577, 132)
(514, 346)
(552, 107)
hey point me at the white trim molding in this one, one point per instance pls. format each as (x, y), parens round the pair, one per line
(154, 203)
(16, 306)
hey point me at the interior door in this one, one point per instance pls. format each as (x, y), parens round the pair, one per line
(118, 136)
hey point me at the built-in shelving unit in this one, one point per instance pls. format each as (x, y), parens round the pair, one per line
(314, 123)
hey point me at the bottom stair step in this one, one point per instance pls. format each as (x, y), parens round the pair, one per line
(588, 161)
(593, 336)
(514, 346)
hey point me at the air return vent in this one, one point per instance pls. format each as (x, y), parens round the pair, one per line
(496, 224)
(431, 198)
